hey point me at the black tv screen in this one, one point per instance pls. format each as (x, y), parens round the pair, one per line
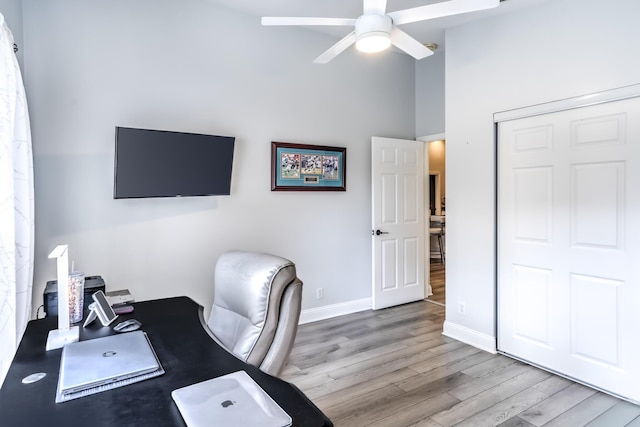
(156, 163)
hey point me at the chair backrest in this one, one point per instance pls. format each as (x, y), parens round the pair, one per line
(256, 307)
(436, 224)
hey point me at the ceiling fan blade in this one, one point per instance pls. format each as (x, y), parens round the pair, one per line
(375, 7)
(439, 10)
(306, 21)
(336, 49)
(405, 42)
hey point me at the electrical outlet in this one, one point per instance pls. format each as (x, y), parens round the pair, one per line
(462, 308)
(319, 293)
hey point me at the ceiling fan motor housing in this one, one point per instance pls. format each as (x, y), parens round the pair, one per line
(369, 27)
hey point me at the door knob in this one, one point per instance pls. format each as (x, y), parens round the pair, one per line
(378, 232)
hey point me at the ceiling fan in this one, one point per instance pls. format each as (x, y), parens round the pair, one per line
(376, 30)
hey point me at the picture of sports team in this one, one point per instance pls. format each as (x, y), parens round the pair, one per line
(295, 165)
(330, 167)
(290, 165)
(311, 164)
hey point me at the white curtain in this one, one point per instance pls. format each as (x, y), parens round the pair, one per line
(16, 204)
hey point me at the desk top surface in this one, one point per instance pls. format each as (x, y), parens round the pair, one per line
(187, 353)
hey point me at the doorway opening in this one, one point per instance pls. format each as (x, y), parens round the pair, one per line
(436, 220)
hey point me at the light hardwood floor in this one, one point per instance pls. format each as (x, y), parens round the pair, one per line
(437, 279)
(393, 367)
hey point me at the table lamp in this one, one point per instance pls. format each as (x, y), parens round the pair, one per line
(64, 334)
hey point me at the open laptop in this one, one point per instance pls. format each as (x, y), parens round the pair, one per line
(88, 367)
(229, 401)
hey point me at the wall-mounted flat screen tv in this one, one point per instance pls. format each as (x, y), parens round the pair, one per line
(156, 163)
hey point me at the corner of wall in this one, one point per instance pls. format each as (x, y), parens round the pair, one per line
(469, 336)
(430, 95)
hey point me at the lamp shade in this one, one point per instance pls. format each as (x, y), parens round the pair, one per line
(374, 41)
(373, 33)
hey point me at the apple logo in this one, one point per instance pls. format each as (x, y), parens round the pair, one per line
(227, 403)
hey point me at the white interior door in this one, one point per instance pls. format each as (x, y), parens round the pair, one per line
(569, 243)
(397, 221)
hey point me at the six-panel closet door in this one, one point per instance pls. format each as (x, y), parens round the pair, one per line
(569, 243)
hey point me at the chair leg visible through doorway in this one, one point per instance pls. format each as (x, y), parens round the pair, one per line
(436, 229)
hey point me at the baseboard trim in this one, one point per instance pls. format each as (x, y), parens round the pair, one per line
(334, 310)
(469, 336)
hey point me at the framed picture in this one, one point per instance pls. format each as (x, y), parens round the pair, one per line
(300, 167)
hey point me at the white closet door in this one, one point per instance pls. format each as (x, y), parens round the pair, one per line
(569, 243)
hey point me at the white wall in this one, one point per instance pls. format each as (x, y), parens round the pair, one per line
(555, 50)
(430, 95)
(193, 66)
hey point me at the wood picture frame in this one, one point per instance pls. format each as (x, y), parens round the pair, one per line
(303, 167)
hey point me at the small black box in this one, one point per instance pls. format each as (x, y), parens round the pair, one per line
(92, 284)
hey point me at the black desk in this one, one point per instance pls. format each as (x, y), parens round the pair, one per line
(186, 351)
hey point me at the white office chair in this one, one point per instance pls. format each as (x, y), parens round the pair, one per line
(436, 229)
(256, 308)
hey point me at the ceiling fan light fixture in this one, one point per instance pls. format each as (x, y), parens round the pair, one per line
(374, 41)
(373, 33)
(377, 29)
